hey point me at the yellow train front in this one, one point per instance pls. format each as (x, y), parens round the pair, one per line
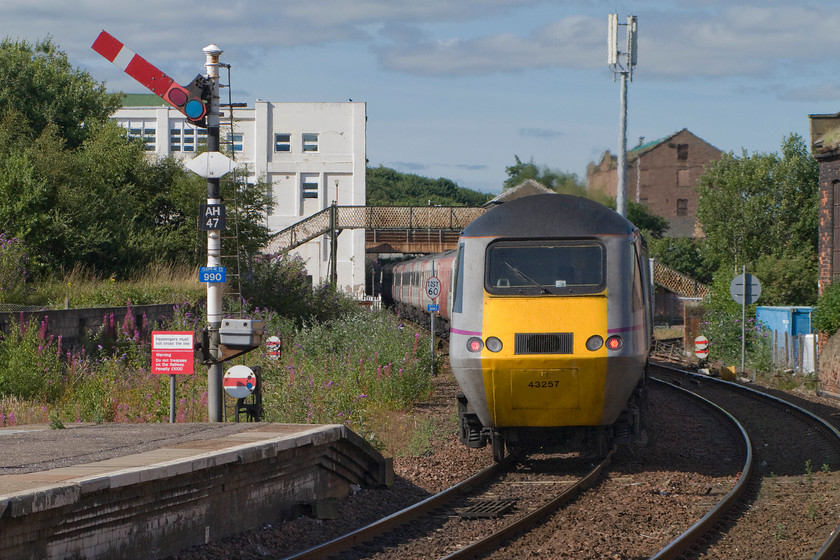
(550, 326)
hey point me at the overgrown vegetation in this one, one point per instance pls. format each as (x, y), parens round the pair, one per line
(340, 364)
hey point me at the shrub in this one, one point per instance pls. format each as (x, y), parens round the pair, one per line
(31, 363)
(826, 316)
(13, 273)
(279, 283)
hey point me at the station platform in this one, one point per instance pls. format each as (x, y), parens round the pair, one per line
(151, 490)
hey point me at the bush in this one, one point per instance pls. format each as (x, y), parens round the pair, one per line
(341, 371)
(279, 283)
(31, 363)
(722, 326)
(826, 316)
(13, 273)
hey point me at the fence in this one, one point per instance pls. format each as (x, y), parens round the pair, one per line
(795, 352)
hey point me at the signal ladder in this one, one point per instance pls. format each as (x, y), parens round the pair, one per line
(232, 261)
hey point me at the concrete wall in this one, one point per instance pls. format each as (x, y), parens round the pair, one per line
(158, 511)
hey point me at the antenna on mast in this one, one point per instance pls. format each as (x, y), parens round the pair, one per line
(622, 63)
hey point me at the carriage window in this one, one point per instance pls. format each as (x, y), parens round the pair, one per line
(545, 267)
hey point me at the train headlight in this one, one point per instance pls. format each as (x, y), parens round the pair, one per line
(474, 344)
(594, 342)
(615, 342)
(493, 344)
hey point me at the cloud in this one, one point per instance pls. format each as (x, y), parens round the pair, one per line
(821, 92)
(411, 166)
(574, 42)
(469, 167)
(540, 132)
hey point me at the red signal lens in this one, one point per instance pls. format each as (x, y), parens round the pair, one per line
(177, 97)
(474, 344)
(615, 343)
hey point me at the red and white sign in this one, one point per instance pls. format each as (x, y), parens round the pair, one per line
(433, 287)
(701, 347)
(172, 353)
(274, 347)
(239, 381)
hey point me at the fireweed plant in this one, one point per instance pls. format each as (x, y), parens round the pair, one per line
(339, 371)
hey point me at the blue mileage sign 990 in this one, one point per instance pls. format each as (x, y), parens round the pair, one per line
(212, 274)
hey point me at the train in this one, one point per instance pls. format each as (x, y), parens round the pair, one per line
(547, 306)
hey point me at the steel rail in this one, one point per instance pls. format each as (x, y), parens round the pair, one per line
(831, 547)
(525, 522)
(401, 517)
(678, 546)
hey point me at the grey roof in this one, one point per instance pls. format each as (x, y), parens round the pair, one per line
(549, 215)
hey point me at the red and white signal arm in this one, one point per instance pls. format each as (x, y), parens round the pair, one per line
(239, 381)
(188, 100)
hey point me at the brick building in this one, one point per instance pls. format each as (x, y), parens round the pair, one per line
(825, 145)
(662, 175)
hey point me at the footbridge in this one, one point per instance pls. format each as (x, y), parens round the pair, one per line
(423, 230)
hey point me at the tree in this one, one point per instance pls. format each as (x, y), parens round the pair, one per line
(76, 191)
(388, 187)
(558, 181)
(760, 204)
(38, 82)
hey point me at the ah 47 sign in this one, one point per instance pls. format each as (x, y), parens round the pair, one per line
(212, 217)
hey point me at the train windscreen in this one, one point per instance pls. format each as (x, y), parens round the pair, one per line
(551, 267)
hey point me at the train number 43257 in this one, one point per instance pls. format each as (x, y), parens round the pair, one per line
(543, 384)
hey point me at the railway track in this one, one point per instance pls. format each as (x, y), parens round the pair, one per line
(524, 485)
(447, 525)
(790, 505)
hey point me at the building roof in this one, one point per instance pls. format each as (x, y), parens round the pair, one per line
(143, 100)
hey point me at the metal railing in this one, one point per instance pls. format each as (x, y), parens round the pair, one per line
(453, 218)
(677, 282)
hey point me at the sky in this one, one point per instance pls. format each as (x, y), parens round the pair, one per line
(460, 88)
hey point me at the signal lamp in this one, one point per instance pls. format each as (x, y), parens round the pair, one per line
(594, 343)
(493, 344)
(615, 342)
(474, 344)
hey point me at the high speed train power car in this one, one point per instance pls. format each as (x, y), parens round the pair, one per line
(548, 303)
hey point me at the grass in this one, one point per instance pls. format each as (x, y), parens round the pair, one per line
(84, 288)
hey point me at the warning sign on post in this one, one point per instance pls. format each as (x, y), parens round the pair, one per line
(172, 353)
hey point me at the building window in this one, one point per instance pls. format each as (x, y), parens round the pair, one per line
(283, 142)
(310, 142)
(185, 138)
(682, 207)
(682, 152)
(309, 186)
(234, 142)
(144, 131)
(683, 178)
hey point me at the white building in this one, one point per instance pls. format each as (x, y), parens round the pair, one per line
(312, 154)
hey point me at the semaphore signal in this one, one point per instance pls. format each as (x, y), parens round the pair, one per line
(191, 100)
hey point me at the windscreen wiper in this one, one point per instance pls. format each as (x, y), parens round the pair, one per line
(543, 289)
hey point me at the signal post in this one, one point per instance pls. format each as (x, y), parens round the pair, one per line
(199, 103)
(215, 396)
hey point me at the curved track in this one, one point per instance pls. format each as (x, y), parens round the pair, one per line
(790, 445)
